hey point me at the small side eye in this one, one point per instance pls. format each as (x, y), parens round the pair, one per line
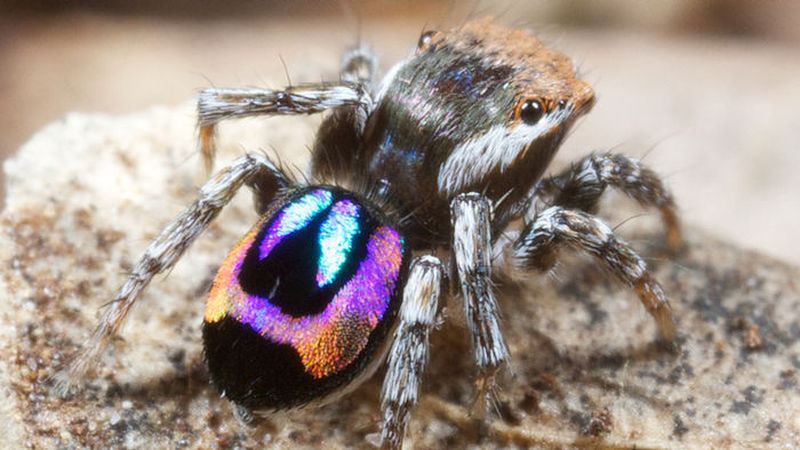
(530, 111)
(425, 40)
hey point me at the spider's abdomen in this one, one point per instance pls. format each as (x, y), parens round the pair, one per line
(304, 302)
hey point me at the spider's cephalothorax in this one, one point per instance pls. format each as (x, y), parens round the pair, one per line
(479, 109)
(438, 160)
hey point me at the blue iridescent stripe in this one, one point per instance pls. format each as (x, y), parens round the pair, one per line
(293, 217)
(336, 240)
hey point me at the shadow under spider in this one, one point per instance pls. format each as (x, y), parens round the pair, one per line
(186, 382)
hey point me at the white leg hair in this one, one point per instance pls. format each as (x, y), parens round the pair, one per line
(409, 353)
(538, 244)
(217, 104)
(471, 215)
(582, 185)
(165, 251)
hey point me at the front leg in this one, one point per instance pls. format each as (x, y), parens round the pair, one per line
(471, 216)
(217, 104)
(582, 185)
(539, 242)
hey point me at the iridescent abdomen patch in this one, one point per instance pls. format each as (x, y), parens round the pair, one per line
(303, 300)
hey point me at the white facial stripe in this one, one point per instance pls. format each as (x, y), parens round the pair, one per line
(497, 148)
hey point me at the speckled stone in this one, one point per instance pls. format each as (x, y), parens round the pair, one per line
(86, 194)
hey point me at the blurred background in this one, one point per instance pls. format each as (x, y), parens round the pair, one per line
(704, 90)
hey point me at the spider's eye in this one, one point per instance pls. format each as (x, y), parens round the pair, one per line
(425, 40)
(530, 111)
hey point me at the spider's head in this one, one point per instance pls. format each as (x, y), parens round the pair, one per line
(485, 106)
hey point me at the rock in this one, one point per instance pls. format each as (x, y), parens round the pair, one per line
(86, 195)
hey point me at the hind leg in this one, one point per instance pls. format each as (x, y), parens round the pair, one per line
(167, 249)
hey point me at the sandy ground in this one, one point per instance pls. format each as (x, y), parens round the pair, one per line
(716, 117)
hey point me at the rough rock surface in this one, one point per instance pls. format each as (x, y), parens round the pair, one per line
(86, 195)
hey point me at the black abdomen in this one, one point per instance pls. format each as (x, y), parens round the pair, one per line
(304, 301)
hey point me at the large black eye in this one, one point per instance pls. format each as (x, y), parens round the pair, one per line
(425, 39)
(530, 111)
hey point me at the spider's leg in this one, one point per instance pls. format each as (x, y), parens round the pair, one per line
(409, 353)
(359, 65)
(581, 186)
(165, 251)
(217, 104)
(538, 244)
(471, 216)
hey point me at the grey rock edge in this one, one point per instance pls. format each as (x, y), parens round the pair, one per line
(86, 194)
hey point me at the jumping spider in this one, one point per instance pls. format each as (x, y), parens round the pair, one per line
(435, 171)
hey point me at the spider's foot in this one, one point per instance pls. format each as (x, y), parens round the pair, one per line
(674, 232)
(208, 147)
(63, 386)
(656, 303)
(485, 393)
(244, 416)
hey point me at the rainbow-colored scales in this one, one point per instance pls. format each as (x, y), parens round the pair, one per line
(319, 275)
